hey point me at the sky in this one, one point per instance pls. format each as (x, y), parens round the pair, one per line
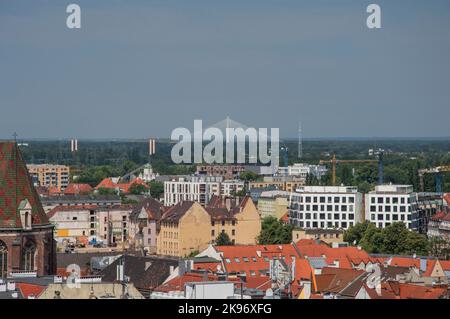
(139, 69)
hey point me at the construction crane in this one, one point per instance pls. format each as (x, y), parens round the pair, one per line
(437, 171)
(335, 161)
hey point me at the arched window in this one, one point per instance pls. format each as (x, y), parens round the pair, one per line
(27, 224)
(3, 260)
(29, 252)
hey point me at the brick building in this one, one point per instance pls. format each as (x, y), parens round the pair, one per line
(26, 235)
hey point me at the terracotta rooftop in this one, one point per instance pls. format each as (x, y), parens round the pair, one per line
(77, 189)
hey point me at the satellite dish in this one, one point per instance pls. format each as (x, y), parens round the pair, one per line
(219, 267)
(269, 292)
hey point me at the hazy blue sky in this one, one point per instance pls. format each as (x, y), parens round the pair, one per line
(142, 68)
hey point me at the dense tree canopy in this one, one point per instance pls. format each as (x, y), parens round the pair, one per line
(394, 239)
(273, 231)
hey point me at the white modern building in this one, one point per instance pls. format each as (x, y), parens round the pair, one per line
(325, 207)
(303, 170)
(199, 189)
(391, 203)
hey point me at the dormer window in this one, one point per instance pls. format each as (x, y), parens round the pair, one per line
(25, 214)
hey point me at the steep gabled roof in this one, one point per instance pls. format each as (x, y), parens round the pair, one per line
(174, 213)
(15, 187)
(225, 208)
(154, 209)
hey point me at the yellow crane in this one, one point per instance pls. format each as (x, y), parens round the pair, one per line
(335, 161)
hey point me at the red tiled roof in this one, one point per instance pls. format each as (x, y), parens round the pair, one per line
(178, 283)
(447, 198)
(28, 290)
(410, 291)
(336, 279)
(253, 260)
(77, 189)
(405, 262)
(15, 187)
(285, 218)
(209, 266)
(438, 216)
(346, 256)
(124, 187)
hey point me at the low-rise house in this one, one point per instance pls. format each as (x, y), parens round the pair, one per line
(115, 184)
(78, 189)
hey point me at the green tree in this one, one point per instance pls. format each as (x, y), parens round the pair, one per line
(346, 175)
(248, 176)
(355, 233)
(137, 189)
(416, 244)
(106, 191)
(372, 240)
(394, 238)
(273, 231)
(156, 189)
(223, 240)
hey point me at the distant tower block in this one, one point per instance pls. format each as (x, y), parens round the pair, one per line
(151, 146)
(74, 145)
(300, 140)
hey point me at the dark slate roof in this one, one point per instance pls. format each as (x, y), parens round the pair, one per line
(82, 259)
(220, 213)
(154, 209)
(16, 186)
(225, 208)
(174, 213)
(144, 272)
(82, 199)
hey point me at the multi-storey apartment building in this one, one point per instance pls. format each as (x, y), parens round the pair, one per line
(424, 206)
(185, 228)
(188, 227)
(391, 203)
(325, 207)
(91, 223)
(144, 224)
(199, 189)
(273, 206)
(50, 175)
(439, 225)
(225, 171)
(284, 183)
(303, 170)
